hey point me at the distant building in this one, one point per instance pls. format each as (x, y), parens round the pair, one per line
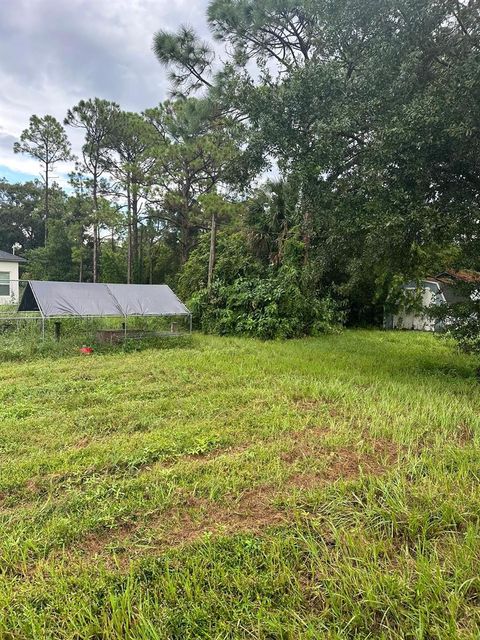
(436, 290)
(9, 290)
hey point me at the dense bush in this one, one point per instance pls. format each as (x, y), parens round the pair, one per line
(249, 297)
(234, 260)
(461, 322)
(264, 307)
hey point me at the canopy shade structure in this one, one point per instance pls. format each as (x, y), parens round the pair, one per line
(84, 299)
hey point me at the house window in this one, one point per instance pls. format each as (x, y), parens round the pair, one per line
(4, 283)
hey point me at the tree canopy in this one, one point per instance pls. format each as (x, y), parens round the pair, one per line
(333, 144)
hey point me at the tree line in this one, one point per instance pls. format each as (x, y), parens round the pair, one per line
(142, 186)
(365, 112)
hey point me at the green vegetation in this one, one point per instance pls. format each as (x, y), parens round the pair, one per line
(316, 488)
(364, 115)
(21, 337)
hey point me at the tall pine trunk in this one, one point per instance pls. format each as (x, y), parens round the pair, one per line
(47, 170)
(95, 249)
(129, 235)
(140, 257)
(150, 261)
(213, 247)
(135, 264)
(95, 230)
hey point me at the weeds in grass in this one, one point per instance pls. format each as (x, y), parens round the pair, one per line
(320, 488)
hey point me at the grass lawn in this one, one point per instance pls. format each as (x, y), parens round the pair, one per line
(318, 488)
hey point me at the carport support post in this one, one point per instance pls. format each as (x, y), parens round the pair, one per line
(43, 327)
(58, 329)
(190, 322)
(125, 329)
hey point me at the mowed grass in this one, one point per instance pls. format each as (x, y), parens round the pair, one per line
(319, 488)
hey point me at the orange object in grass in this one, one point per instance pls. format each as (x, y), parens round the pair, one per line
(86, 350)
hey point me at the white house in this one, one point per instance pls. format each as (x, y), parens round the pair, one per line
(9, 289)
(437, 290)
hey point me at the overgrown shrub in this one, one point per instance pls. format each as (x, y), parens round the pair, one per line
(249, 297)
(234, 260)
(267, 307)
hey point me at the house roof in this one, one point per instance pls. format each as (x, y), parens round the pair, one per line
(86, 299)
(463, 275)
(10, 257)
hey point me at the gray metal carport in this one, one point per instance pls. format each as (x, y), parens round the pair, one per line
(56, 300)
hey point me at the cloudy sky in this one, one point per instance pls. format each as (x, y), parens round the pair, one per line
(55, 52)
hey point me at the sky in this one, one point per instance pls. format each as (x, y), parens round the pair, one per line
(54, 53)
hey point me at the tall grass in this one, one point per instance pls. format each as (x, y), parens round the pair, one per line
(24, 337)
(318, 488)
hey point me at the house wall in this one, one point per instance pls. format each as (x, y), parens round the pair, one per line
(415, 321)
(12, 269)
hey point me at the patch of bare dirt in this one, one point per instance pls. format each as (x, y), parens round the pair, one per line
(348, 464)
(195, 517)
(308, 405)
(82, 443)
(253, 511)
(465, 434)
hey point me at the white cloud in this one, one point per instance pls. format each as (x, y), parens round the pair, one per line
(52, 54)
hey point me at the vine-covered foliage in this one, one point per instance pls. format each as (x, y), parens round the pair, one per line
(250, 298)
(268, 307)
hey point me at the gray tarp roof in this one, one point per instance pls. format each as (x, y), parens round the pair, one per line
(89, 299)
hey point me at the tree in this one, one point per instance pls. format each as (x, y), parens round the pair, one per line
(272, 213)
(130, 159)
(79, 218)
(45, 139)
(195, 153)
(21, 215)
(219, 210)
(98, 119)
(190, 58)
(54, 261)
(370, 109)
